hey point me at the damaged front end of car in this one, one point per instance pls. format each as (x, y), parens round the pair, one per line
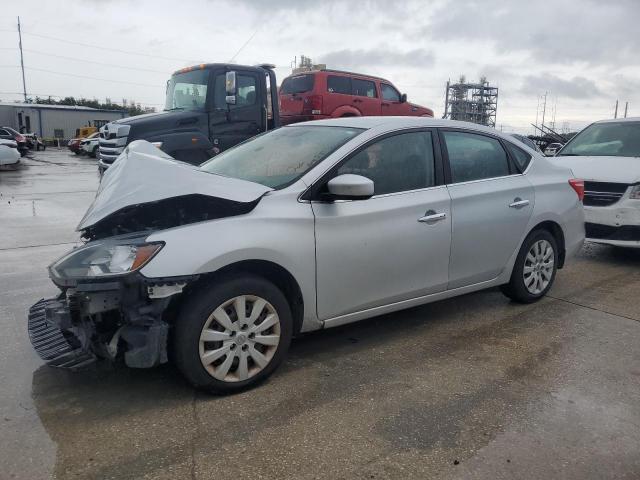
(106, 308)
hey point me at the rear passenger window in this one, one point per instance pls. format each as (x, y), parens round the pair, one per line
(364, 88)
(521, 157)
(337, 84)
(395, 164)
(474, 157)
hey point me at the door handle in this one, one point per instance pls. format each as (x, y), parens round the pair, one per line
(432, 217)
(518, 203)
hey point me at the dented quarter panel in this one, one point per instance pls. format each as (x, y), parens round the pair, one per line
(209, 246)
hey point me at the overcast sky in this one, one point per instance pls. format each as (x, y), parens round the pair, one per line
(584, 53)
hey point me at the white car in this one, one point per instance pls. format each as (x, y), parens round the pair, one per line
(9, 154)
(89, 146)
(606, 155)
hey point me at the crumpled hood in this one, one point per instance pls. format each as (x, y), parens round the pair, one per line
(144, 173)
(602, 169)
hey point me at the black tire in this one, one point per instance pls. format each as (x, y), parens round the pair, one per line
(516, 289)
(94, 152)
(195, 311)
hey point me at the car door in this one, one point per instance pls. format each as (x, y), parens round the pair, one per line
(365, 96)
(391, 104)
(338, 96)
(393, 246)
(491, 203)
(232, 124)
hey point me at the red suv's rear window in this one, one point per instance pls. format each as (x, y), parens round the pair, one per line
(297, 84)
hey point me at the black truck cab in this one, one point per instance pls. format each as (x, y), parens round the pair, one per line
(209, 108)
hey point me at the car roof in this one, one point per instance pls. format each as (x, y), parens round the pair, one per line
(340, 72)
(619, 120)
(393, 123)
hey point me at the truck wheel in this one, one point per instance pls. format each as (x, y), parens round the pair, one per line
(233, 334)
(535, 268)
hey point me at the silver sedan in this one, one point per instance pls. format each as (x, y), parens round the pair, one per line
(310, 226)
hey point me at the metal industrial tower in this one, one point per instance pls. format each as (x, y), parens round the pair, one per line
(471, 102)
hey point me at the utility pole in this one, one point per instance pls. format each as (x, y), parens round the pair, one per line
(24, 84)
(626, 107)
(544, 108)
(615, 113)
(537, 113)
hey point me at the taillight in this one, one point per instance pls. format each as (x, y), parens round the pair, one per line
(578, 186)
(312, 105)
(20, 138)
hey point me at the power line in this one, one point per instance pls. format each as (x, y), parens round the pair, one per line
(94, 62)
(107, 48)
(93, 78)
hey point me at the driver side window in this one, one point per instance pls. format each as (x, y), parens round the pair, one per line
(246, 91)
(395, 164)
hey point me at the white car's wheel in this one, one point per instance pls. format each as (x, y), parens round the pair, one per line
(232, 335)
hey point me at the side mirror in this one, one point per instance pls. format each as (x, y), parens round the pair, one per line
(231, 87)
(403, 98)
(350, 187)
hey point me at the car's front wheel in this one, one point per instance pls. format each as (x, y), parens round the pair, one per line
(232, 335)
(535, 269)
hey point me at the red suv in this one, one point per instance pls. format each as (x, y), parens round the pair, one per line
(331, 93)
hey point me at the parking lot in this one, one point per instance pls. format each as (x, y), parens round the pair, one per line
(472, 387)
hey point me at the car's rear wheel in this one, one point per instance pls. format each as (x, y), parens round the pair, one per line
(535, 269)
(233, 335)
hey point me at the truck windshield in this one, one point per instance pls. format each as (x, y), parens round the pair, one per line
(279, 158)
(616, 139)
(187, 90)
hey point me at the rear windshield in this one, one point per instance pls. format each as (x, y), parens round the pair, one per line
(616, 139)
(297, 84)
(279, 158)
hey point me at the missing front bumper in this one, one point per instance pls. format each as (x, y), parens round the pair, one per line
(52, 345)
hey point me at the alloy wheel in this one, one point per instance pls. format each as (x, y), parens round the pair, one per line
(538, 267)
(239, 338)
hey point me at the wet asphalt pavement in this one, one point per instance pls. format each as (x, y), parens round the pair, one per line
(474, 387)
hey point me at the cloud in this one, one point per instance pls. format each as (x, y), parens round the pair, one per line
(350, 58)
(590, 31)
(576, 87)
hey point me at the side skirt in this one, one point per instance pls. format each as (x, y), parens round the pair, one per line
(414, 302)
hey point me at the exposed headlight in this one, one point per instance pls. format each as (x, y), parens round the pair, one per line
(104, 259)
(635, 193)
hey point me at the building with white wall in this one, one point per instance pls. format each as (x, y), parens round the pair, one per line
(54, 121)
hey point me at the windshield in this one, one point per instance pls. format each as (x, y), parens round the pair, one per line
(617, 139)
(279, 158)
(297, 84)
(187, 90)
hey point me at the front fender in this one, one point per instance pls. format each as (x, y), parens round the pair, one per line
(279, 230)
